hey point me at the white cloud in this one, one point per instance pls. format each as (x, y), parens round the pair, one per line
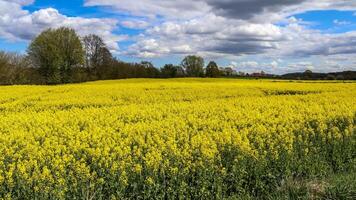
(21, 2)
(341, 23)
(181, 9)
(261, 30)
(265, 11)
(314, 43)
(251, 66)
(274, 64)
(302, 66)
(19, 24)
(230, 38)
(227, 28)
(135, 24)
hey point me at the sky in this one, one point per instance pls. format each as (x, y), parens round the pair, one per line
(276, 36)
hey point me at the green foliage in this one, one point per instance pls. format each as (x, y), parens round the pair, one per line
(340, 186)
(150, 69)
(16, 69)
(212, 70)
(56, 52)
(5, 73)
(193, 66)
(169, 71)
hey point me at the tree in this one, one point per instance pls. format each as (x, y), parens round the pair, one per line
(308, 71)
(15, 69)
(55, 52)
(104, 68)
(340, 77)
(330, 77)
(97, 56)
(180, 72)
(147, 64)
(5, 70)
(227, 71)
(212, 70)
(169, 71)
(149, 70)
(193, 65)
(308, 74)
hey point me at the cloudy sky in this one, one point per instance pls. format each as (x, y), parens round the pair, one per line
(276, 36)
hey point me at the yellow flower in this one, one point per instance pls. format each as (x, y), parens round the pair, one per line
(72, 138)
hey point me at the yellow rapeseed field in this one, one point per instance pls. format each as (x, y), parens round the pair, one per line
(172, 139)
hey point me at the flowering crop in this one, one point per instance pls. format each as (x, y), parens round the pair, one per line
(172, 139)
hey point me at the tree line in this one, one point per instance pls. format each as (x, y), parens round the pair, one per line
(58, 56)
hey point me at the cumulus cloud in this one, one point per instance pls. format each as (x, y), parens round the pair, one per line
(301, 66)
(265, 11)
(274, 10)
(19, 24)
(228, 29)
(247, 64)
(242, 9)
(251, 66)
(307, 43)
(197, 36)
(21, 2)
(221, 28)
(153, 8)
(341, 23)
(135, 24)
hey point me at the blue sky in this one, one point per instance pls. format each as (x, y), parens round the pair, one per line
(325, 20)
(272, 35)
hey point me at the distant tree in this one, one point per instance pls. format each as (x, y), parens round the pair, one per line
(330, 77)
(169, 71)
(227, 71)
(16, 69)
(212, 70)
(5, 70)
(308, 74)
(97, 56)
(240, 73)
(56, 52)
(3, 59)
(149, 70)
(104, 68)
(120, 69)
(193, 65)
(340, 77)
(180, 71)
(147, 64)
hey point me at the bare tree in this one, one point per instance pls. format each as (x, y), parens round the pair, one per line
(97, 56)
